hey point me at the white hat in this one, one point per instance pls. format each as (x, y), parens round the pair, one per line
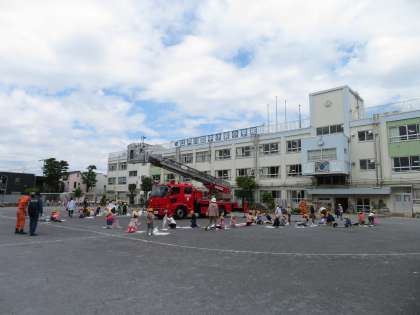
(213, 199)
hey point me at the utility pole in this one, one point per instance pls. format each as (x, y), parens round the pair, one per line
(268, 118)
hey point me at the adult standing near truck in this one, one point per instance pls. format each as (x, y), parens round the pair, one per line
(71, 206)
(34, 209)
(21, 214)
(213, 213)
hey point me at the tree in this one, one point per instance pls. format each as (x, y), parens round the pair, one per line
(268, 200)
(89, 177)
(146, 185)
(77, 192)
(132, 188)
(247, 186)
(54, 171)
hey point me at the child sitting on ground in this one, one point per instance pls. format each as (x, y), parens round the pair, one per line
(221, 224)
(193, 220)
(55, 216)
(172, 223)
(134, 222)
(361, 218)
(233, 221)
(249, 219)
(259, 219)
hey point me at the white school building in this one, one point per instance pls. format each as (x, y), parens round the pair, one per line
(341, 154)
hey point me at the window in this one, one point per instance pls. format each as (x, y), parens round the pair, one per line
(156, 178)
(363, 204)
(269, 148)
(123, 166)
(243, 152)
(112, 166)
(187, 158)
(322, 154)
(17, 180)
(188, 190)
(111, 181)
(406, 163)
(294, 170)
(74, 184)
(203, 156)
(222, 174)
(122, 180)
(175, 191)
(294, 145)
(404, 133)
(270, 172)
(169, 177)
(329, 130)
(132, 173)
(365, 135)
(296, 196)
(240, 172)
(223, 154)
(367, 164)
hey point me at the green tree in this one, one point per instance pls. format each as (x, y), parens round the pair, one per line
(146, 184)
(77, 192)
(268, 200)
(247, 187)
(132, 188)
(89, 177)
(54, 171)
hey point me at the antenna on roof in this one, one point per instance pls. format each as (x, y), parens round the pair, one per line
(285, 114)
(277, 123)
(268, 118)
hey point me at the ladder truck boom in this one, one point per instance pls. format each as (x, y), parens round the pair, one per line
(212, 183)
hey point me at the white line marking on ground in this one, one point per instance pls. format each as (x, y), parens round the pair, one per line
(233, 251)
(46, 242)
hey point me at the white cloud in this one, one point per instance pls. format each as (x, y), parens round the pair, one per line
(297, 47)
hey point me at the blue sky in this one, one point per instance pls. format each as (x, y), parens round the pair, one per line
(81, 79)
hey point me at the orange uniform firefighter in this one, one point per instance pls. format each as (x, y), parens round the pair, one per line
(21, 214)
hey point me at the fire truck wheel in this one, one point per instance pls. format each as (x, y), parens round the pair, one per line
(180, 212)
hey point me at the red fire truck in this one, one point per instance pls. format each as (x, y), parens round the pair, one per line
(180, 199)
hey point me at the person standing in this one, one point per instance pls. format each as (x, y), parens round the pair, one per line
(340, 211)
(149, 221)
(312, 212)
(34, 209)
(71, 206)
(21, 214)
(213, 213)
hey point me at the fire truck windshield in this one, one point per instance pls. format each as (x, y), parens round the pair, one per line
(159, 191)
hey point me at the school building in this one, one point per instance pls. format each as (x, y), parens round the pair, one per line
(343, 154)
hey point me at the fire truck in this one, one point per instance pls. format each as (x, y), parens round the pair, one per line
(180, 199)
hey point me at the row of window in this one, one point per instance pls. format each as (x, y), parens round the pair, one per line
(326, 130)
(241, 152)
(119, 180)
(264, 172)
(406, 163)
(404, 133)
(120, 166)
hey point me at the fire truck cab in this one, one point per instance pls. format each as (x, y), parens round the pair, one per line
(180, 199)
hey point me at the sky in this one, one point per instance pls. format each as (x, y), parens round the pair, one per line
(80, 79)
